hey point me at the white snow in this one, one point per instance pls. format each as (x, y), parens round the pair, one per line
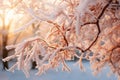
(75, 74)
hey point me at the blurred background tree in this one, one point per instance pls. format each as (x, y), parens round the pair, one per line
(10, 18)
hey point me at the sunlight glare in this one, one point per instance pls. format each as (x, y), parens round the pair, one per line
(9, 16)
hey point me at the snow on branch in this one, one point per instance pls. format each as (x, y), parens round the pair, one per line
(86, 26)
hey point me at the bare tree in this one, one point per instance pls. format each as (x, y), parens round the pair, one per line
(5, 32)
(70, 25)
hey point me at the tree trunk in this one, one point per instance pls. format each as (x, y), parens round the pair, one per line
(4, 55)
(4, 51)
(33, 65)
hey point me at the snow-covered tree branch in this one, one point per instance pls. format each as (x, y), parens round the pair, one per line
(89, 26)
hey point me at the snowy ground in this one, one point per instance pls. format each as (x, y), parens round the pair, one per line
(75, 74)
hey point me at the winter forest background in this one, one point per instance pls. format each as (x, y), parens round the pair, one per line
(44, 36)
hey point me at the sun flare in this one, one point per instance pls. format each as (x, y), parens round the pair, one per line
(9, 18)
